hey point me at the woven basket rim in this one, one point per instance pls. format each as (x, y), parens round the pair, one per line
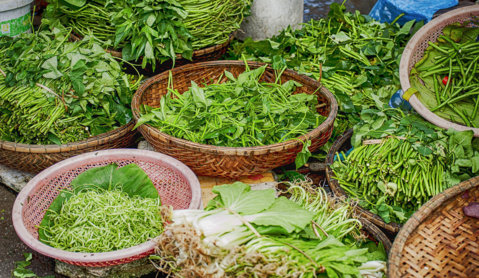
(196, 53)
(104, 257)
(336, 188)
(241, 151)
(407, 55)
(422, 214)
(87, 143)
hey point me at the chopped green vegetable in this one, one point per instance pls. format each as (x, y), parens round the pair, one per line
(103, 220)
(107, 208)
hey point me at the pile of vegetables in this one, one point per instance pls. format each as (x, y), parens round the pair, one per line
(447, 77)
(106, 209)
(407, 162)
(151, 30)
(211, 22)
(53, 91)
(354, 56)
(246, 233)
(240, 112)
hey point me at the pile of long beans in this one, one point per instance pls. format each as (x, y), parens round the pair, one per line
(210, 22)
(391, 171)
(91, 19)
(451, 76)
(102, 221)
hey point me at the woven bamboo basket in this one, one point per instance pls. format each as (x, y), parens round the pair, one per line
(211, 53)
(414, 51)
(375, 234)
(211, 160)
(343, 144)
(439, 240)
(35, 158)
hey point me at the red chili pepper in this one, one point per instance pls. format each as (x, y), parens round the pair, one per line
(444, 81)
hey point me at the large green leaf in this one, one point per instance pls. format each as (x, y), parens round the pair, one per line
(239, 198)
(284, 213)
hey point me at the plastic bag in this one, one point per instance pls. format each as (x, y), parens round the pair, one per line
(388, 10)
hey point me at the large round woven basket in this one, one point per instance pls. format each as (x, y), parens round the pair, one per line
(177, 186)
(343, 143)
(211, 160)
(35, 158)
(414, 52)
(439, 240)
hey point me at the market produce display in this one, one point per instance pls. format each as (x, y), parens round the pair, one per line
(106, 209)
(354, 56)
(407, 162)
(240, 112)
(211, 22)
(53, 91)
(244, 231)
(151, 31)
(447, 77)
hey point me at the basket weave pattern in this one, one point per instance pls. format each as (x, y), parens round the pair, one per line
(176, 185)
(439, 240)
(343, 144)
(35, 158)
(211, 160)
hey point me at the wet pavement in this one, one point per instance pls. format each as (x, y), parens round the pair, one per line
(314, 9)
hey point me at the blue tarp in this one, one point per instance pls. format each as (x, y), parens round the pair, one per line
(388, 10)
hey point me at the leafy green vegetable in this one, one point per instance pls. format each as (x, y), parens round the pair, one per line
(413, 162)
(240, 112)
(57, 91)
(354, 56)
(279, 238)
(21, 270)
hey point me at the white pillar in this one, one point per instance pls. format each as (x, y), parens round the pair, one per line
(268, 17)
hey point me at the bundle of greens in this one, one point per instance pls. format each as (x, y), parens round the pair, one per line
(240, 112)
(354, 56)
(53, 91)
(153, 29)
(447, 77)
(106, 209)
(211, 22)
(148, 29)
(245, 233)
(407, 162)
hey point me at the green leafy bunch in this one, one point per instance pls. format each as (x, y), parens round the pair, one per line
(413, 161)
(242, 111)
(149, 30)
(152, 29)
(56, 91)
(352, 55)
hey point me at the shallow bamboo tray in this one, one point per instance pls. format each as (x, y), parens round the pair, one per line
(439, 240)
